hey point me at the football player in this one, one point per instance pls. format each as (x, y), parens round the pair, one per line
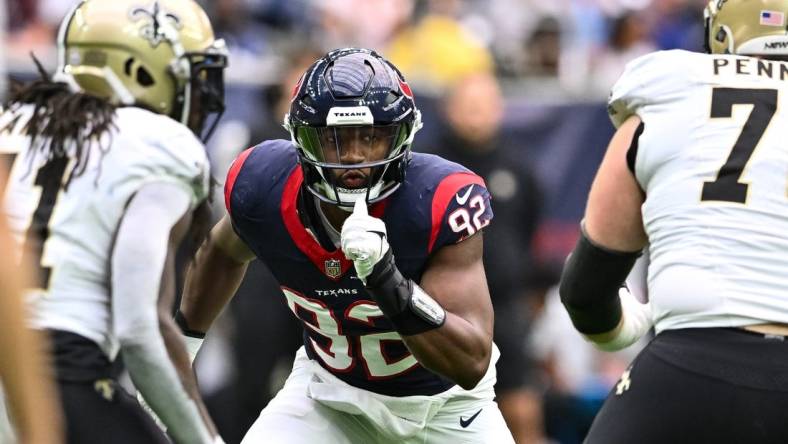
(378, 252)
(107, 175)
(30, 392)
(698, 170)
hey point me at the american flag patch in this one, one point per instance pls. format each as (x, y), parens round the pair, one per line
(772, 18)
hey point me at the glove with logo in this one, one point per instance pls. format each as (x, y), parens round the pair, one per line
(364, 240)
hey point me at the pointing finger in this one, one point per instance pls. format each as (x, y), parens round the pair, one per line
(360, 208)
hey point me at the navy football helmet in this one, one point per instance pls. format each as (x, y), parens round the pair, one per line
(352, 119)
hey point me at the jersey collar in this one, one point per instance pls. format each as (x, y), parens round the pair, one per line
(332, 264)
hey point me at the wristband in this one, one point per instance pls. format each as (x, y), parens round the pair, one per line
(405, 304)
(192, 338)
(184, 326)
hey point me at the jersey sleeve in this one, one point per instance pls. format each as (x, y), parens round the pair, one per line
(252, 190)
(187, 163)
(460, 208)
(647, 80)
(230, 183)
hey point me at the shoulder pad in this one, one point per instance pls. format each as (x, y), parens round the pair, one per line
(255, 173)
(649, 79)
(163, 148)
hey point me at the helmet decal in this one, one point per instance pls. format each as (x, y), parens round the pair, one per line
(405, 88)
(772, 18)
(297, 87)
(155, 31)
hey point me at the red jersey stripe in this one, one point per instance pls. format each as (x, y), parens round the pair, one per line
(447, 188)
(232, 175)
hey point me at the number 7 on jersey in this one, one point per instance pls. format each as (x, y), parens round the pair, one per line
(727, 187)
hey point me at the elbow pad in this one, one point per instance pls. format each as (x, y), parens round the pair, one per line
(589, 285)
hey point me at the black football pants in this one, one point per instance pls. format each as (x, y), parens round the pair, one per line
(698, 386)
(96, 408)
(102, 412)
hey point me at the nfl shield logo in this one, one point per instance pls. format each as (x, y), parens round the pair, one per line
(333, 268)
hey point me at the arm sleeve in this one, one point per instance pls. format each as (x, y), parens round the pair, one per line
(138, 261)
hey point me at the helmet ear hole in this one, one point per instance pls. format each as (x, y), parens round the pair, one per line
(144, 78)
(127, 66)
(721, 35)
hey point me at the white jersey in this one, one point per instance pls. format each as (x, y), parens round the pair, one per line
(713, 162)
(78, 223)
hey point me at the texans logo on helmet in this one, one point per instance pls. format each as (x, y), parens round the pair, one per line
(405, 88)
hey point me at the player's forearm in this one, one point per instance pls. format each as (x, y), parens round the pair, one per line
(142, 271)
(180, 359)
(442, 341)
(26, 380)
(137, 326)
(147, 358)
(600, 308)
(155, 377)
(211, 282)
(458, 351)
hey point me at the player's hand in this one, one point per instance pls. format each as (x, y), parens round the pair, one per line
(364, 240)
(637, 320)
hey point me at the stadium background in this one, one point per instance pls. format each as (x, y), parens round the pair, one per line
(554, 61)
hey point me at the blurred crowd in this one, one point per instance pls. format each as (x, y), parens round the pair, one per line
(470, 63)
(579, 45)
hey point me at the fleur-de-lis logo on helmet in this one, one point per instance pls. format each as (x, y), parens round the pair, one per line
(148, 53)
(162, 24)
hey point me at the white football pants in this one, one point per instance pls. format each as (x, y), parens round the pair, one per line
(314, 407)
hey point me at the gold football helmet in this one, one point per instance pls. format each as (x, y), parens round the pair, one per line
(750, 27)
(156, 54)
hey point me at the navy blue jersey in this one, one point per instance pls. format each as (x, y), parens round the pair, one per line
(440, 203)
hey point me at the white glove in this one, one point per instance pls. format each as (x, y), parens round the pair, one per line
(192, 346)
(637, 320)
(364, 240)
(216, 439)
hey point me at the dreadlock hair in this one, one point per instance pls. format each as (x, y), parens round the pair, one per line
(60, 118)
